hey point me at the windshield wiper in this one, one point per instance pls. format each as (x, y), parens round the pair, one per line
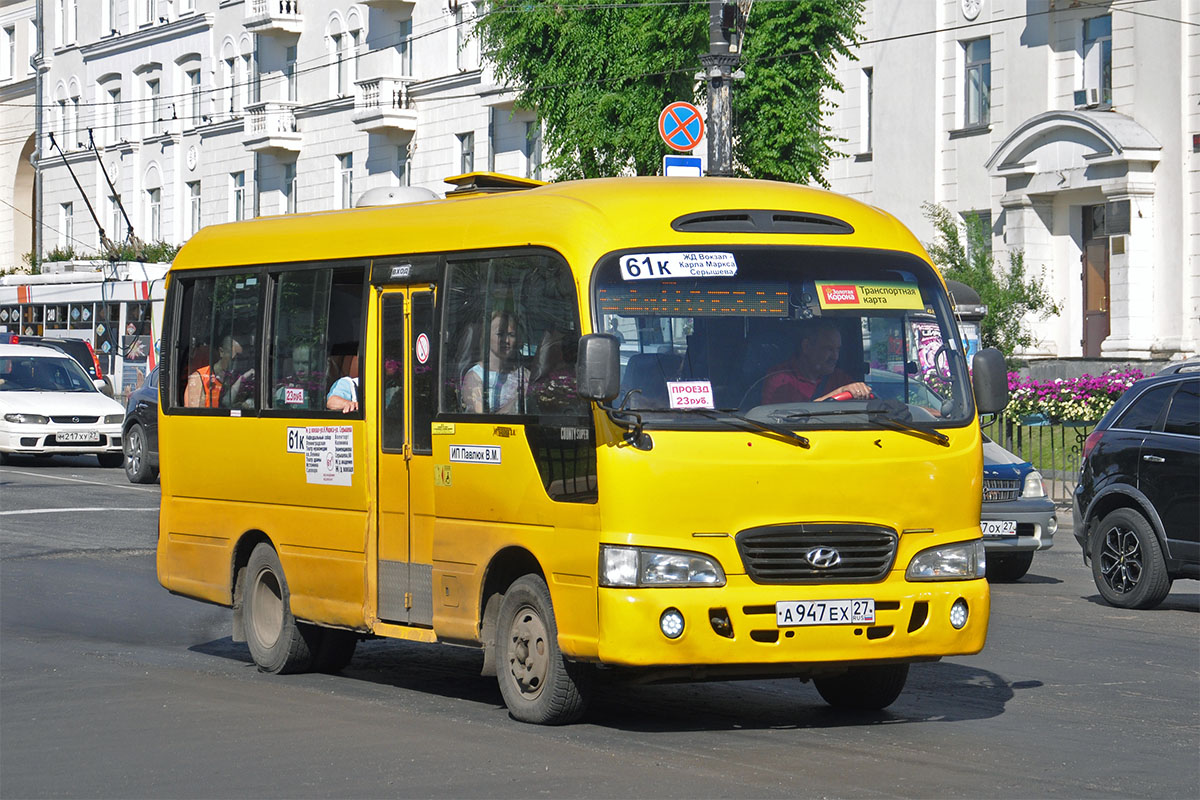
(779, 430)
(888, 413)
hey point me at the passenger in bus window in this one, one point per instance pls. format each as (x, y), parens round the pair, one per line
(206, 383)
(497, 384)
(812, 372)
(343, 395)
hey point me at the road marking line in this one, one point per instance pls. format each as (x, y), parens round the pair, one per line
(62, 510)
(78, 480)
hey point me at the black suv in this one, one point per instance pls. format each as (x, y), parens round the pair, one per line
(1137, 506)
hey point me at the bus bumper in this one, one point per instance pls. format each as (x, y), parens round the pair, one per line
(735, 626)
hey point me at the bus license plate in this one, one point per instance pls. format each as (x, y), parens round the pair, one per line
(78, 436)
(824, 612)
(998, 529)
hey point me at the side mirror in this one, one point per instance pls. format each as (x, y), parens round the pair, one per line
(989, 379)
(598, 369)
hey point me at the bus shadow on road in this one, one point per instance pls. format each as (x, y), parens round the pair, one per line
(940, 692)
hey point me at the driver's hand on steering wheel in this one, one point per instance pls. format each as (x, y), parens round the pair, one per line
(857, 391)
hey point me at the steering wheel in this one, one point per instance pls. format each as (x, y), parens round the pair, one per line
(840, 396)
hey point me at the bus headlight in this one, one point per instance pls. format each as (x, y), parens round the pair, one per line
(949, 562)
(636, 566)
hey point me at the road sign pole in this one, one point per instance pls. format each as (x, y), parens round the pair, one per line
(718, 74)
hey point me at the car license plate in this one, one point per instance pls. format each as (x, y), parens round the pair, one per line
(998, 528)
(824, 612)
(78, 436)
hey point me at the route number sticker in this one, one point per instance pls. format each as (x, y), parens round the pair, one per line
(660, 266)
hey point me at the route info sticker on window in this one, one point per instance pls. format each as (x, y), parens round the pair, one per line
(690, 394)
(329, 454)
(660, 266)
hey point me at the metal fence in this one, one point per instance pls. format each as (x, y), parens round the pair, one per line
(1054, 448)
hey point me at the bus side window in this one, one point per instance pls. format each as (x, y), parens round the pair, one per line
(392, 374)
(219, 321)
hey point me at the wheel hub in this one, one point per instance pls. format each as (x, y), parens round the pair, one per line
(528, 658)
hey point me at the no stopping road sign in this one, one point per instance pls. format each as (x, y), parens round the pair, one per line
(681, 126)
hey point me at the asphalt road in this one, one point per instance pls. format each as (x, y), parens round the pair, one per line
(110, 687)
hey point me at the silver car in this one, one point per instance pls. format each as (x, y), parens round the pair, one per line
(1018, 518)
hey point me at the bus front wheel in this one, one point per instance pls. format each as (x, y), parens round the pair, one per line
(538, 684)
(864, 688)
(277, 643)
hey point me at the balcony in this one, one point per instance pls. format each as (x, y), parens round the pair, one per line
(271, 128)
(403, 7)
(384, 105)
(274, 17)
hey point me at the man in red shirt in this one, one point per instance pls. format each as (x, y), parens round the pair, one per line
(812, 372)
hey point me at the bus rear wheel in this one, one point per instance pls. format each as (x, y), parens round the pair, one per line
(277, 643)
(538, 684)
(864, 688)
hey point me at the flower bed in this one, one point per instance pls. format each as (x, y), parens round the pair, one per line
(1086, 398)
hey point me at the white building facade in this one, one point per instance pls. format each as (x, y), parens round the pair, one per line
(208, 111)
(1072, 128)
(18, 99)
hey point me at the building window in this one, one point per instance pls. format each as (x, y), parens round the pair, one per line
(73, 122)
(403, 166)
(1097, 61)
(154, 212)
(289, 72)
(867, 106)
(238, 208)
(462, 39)
(979, 235)
(154, 112)
(289, 187)
(61, 120)
(250, 83)
(66, 19)
(404, 48)
(977, 90)
(186, 5)
(113, 116)
(145, 11)
(192, 78)
(194, 203)
(341, 70)
(115, 215)
(230, 75)
(533, 150)
(346, 180)
(66, 228)
(466, 153)
(108, 22)
(9, 43)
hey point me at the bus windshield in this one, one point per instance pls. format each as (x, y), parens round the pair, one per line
(780, 335)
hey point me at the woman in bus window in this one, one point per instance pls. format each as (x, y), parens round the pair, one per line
(497, 384)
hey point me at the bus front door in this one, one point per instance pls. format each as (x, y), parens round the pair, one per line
(406, 405)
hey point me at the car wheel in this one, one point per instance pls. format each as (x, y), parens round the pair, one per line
(137, 462)
(864, 688)
(1127, 562)
(110, 460)
(538, 684)
(1009, 567)
(277, 643)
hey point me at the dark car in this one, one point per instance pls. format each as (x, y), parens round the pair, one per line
(140, 431)
(1137, 507)
(79, 349)
(1017, 518)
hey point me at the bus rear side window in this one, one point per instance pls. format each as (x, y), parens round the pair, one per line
(219, 342)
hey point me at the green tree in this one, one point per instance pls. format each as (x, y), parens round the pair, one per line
(1009, 293)
(598, 73)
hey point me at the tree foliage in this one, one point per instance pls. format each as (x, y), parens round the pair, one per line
(1009, 293)
(598, 73)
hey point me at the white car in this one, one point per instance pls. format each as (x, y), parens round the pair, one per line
(49, 406)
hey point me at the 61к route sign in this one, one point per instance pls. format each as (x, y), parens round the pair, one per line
(681, 126)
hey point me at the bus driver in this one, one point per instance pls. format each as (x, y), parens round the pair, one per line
(812, 372)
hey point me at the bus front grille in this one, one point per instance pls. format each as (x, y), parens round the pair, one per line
(817, 553)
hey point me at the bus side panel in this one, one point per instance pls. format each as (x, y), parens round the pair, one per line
(487, 507)
(225, 477)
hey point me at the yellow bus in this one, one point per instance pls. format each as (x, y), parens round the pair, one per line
(663, 428)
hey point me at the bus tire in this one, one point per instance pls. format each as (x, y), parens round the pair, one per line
(334, 650)
(538, 684)
(277, 643)
(864, 688)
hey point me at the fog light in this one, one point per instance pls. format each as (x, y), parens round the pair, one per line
(671, 623)
(958, 614)
(1052, 527)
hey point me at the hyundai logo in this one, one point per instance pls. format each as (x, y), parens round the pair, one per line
(823, 557)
